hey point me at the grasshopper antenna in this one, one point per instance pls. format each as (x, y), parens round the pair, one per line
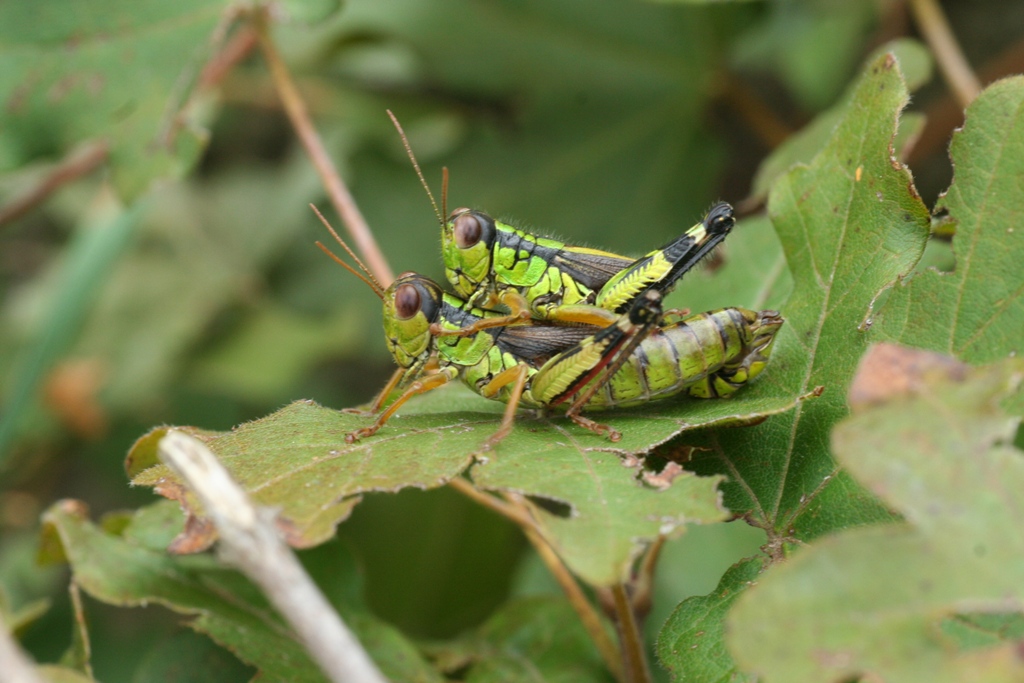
(444, 191)
(415, 164)
(369, 279)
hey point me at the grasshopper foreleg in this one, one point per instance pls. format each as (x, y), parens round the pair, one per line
(381, 398)
(420, 386)
(516, 376)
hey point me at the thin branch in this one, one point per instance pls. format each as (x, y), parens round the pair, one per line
(936, 31)
(945, 114)
(15, 665)
(634, 657)
(512, 512)
(518, 513)
(250, 541)
(337, 191)
(644, 584)
(760, 118)
(584, 610)
(238, 47)
(76, 164)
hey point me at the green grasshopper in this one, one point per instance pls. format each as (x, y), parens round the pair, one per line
(489, 263)
(541, 365)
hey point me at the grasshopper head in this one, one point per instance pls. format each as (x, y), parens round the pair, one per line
(466, 241)
(411, 304)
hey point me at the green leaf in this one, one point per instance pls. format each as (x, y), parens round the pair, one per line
(850, 225)
(77, 70)
(976, 312)
(134, 569)
(196, 255)
(916, 67)
(188, 657)
(691, 643)
(984, 630)
(870, 601)
(60, 674)
(530, 639)
(811, 46)
(587, 125)
(297, 460)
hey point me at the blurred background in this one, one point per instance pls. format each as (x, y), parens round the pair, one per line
(180, 285)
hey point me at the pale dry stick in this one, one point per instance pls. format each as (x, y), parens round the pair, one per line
(634, 659)
(250, 541)
(337, 191)
(936, 31)
(76, 164)
(15, 665)
(589, 617)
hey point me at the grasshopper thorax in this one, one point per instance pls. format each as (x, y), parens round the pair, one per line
(467, 239)
(411, 304)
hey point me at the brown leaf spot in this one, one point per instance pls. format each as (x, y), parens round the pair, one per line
(888, 370)
(662, 480)
(197, 536)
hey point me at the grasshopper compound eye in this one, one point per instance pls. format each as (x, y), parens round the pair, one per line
(468, 231)
(407, 302)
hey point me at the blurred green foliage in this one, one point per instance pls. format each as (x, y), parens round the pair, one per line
(179, 284)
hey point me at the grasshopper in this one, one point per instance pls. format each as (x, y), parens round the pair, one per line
(489, 263)
(539, 365)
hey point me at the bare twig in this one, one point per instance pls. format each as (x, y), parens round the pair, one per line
(250, 541)
(15, 666)
(337, 191)
(634, 658)
(77, 163)
(936, 31)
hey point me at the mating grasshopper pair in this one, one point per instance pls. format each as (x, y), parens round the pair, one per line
(584, 327)
(615, 351)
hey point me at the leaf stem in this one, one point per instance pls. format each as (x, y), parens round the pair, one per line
(936, 31)
(516, 511)
(337, 191)
(584, 610)
(634, 658)
(644, 584)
